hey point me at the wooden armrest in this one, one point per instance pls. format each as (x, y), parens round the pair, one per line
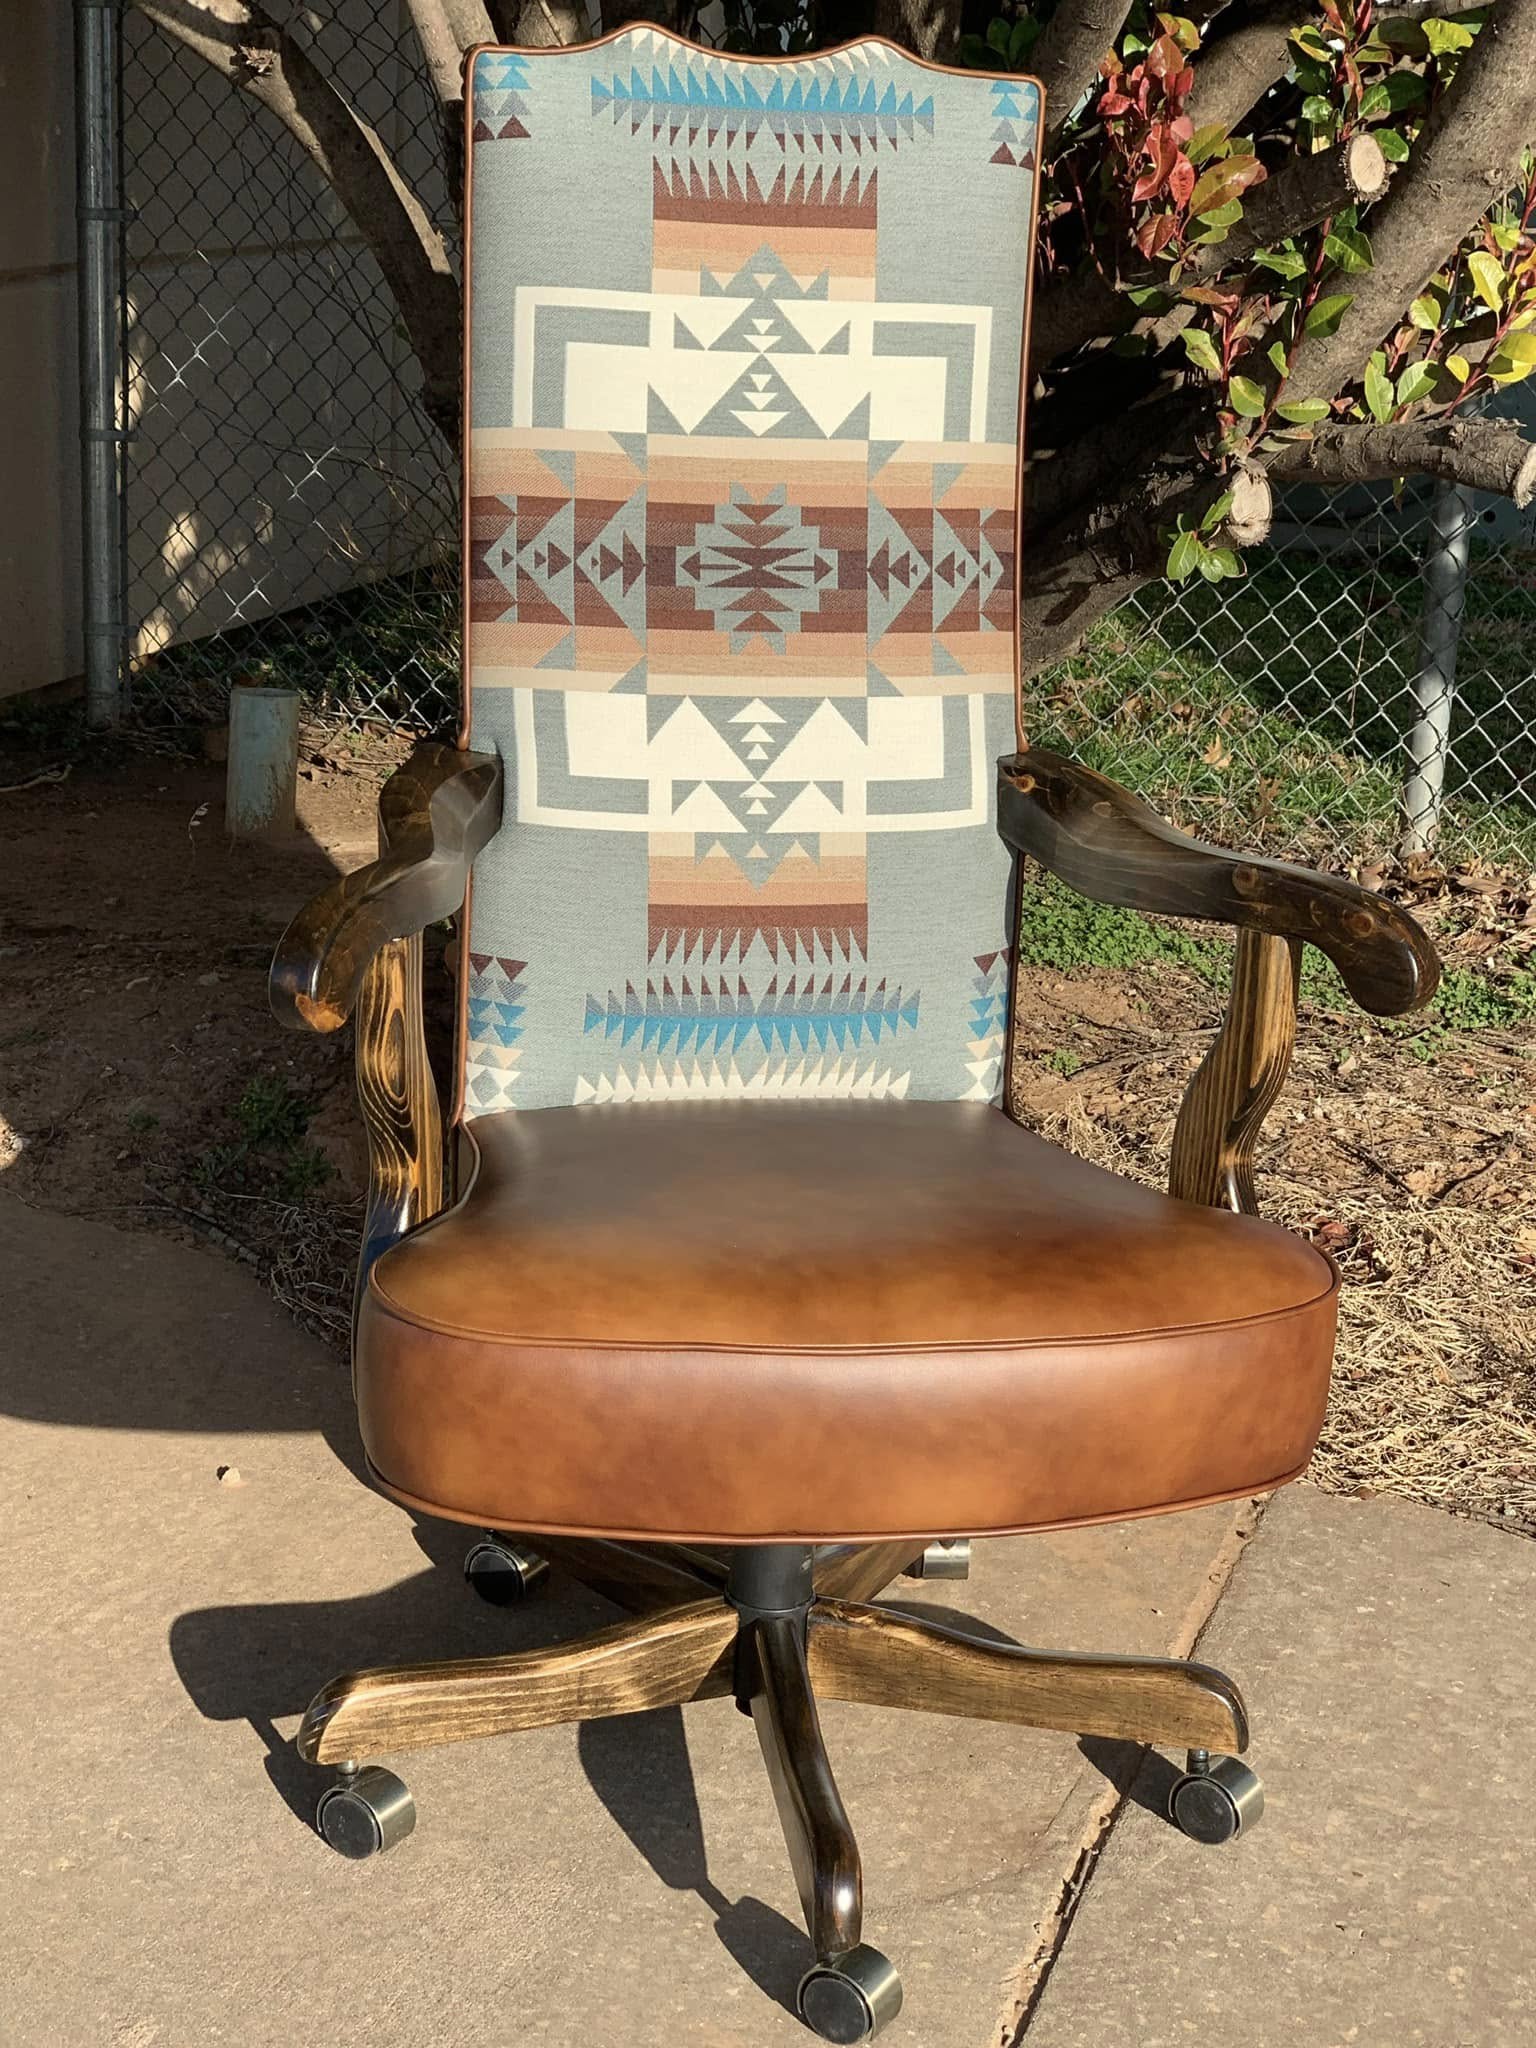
(435, 814)
(1105, 843)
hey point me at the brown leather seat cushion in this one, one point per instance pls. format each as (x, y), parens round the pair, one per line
(725, 1321)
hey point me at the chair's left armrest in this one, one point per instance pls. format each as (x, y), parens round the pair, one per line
(435, 814)
(1105, 843)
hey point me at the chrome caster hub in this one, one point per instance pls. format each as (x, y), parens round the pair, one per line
(1216, 1800)
(365, 1812)
(503, 1572)
(950, 1558)
(849, 1997)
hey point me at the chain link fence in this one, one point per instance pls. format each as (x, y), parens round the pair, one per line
(1368, 689)
(291, 511)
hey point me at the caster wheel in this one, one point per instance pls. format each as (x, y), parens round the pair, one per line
(849, 1997)
(949, 1558)
(503, 1572)
(1217, 1802)
(365, 1812)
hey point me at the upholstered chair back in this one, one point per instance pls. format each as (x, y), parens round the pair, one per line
(745, 349)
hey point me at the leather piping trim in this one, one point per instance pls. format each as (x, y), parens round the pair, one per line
(915, 1350)
(819, 1535)
(466, 428)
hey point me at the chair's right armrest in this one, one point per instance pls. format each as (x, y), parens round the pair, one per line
(435, 814)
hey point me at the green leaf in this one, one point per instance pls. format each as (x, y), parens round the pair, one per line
(1184, 555)
(1404, 89)
(1304, 412)
(1214, 514)
(1349, 249)
(1226, 561)
(1026, 34)
(1210, 567)
(1182, 29)
(1206, 142)
(1325, 316)
(1445, 36)
(1508, 373)
(1519, 347)
(1317, 110)
(1374, 101)
(1407, 37)
(1394, 147)
(1487, 277)
(1425, 313)
(1222, 216)
(1201, 350)
(1378, 388)
(1245, 397)
(997, 34)
(1278, 355)
(1224, 180)
(1285, 262)
(1309, 40)
(1416, 382)
(1458, 366)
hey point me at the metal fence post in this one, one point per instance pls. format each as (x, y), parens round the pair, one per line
(1452, 516)
(99, 216)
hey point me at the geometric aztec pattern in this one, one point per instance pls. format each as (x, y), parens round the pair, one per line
(501, 88)
(496, 1000)
(742, 575)
(1014, 134)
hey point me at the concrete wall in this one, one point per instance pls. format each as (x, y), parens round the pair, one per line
(39, 445)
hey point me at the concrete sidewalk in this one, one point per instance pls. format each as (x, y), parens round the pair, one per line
(626, 1882)
(1388, 1897)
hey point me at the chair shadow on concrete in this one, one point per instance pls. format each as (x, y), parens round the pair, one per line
(1144, 1777)
(263, 1665)
(639, 1767)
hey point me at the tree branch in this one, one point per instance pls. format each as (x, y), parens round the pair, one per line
(929, 28)
(1236, 68)
(542, 24)
(1067, 57)
(440, 46)
(261, 60)
(1485, 455)
(1466, 159)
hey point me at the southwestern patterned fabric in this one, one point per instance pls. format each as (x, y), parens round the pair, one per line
(745, 377)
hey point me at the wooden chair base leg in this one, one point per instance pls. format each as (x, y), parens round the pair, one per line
(639, 1577)
(892, 1660)
(658, 1660)
(860, 1571)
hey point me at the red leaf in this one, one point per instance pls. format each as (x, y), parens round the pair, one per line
(1113, 103)
(1156, 233)
(1181, 180)
(1163, 152)
(1165, 59)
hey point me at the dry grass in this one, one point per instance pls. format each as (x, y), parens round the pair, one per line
(1434, 1391)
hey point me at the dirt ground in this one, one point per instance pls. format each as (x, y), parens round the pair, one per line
(143, 1082)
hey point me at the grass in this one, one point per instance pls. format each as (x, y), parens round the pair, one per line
(1272, 711)
(269, 1154)
(1069, 934)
